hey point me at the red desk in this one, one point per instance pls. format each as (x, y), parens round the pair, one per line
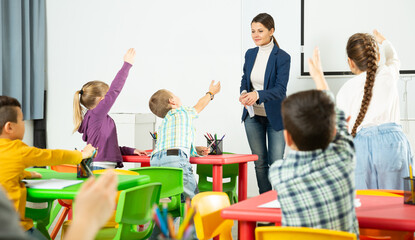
(217, 162)
(378, 212)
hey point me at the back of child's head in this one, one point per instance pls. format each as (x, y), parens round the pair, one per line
(8, 111)
(310, 118)
(159, 103)
(363, 50)
(88, 96)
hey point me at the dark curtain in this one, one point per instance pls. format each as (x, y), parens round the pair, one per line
(23, 45)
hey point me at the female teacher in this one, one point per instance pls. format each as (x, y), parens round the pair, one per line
(264, 87)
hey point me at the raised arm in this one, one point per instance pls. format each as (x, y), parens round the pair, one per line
(342, 138)
(204, 101)
(117, 84)
(391, 57)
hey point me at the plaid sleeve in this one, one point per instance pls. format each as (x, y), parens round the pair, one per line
(343, 141)
(191, 111)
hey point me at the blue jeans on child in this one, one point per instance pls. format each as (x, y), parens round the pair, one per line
(160, 159)
(383, 155)
(259, 130)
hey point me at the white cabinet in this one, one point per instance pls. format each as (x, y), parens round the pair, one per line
(133, 129)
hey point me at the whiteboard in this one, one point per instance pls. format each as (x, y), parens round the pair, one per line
(328, 24)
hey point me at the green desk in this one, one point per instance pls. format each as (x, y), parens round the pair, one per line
(42, 216)
(124, 182)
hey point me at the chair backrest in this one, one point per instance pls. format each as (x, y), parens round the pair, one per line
(39, 211)
(374, 192)
(398, 192)
(116, 171)
(207, 219)
(229, 171)
(300, 233)
(135, 208)
(170, 178)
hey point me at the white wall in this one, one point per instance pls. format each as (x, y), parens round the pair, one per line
(181, 46)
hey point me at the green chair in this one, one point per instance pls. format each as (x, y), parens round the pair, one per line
(40, 212)
(171, 180)
(134, 208)
(230, 171)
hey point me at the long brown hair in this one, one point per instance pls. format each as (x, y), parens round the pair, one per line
(88, 97)
(362, 49)
(268, 22)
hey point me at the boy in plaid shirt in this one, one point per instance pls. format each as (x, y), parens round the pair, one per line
(175, 135)
(315, 183)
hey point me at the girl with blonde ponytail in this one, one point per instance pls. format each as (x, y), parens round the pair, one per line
(91, 106)
(371, 99)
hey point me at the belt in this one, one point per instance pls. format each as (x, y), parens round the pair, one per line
(173, 152)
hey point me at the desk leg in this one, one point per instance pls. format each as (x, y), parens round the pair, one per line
(243, 181)
(217, 178)
(246, 230)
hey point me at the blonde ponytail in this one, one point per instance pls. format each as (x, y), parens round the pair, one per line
(77, 111)
(88, 96)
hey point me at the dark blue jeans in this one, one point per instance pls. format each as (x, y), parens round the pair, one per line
(259, 133)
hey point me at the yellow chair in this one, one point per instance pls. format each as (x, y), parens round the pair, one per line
(208, 222)
(116, 171)
(375, 192)
(300, 233)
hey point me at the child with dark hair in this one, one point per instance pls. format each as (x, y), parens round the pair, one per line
(315, 183)
(15, 156)
(371, 99)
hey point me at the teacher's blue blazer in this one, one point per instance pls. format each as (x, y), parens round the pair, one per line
(275, 83)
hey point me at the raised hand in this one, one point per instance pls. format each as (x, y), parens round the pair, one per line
(130, 56)
(316, 71)
(378, 37)
(214, 88)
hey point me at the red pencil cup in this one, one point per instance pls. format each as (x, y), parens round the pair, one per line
(409, 191)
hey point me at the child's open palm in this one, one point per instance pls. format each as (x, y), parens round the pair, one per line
(214, 88)
(130, 56)
(316, 71)
(378, 36)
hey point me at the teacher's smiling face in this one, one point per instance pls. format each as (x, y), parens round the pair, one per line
(260, 34)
